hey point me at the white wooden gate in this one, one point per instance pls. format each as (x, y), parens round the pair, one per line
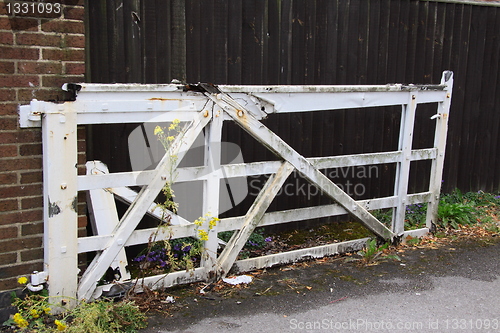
(206, 107)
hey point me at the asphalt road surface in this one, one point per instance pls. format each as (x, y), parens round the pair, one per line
(453, 287)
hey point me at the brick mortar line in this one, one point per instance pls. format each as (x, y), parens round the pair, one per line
(17, 251)
(45, 60)
(74, 6)
(17, 130)
(59, 19)
(57, 48)
(19, 185)
(27, 170)
(47, 19)
(48, 33)
(45, 33)
(50, 75)
(23, 46)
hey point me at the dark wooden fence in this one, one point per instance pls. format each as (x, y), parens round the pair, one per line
(315, 42)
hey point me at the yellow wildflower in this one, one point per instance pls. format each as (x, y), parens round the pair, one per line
(203, 235)
(18, 317)
(199, 221)
(213, 222)
(170, 138)
(158, 130)
(60, 325)
(20, 321)
(176, 121)
(47, 310)
(172, 127)
(34, 313)
(22, 280)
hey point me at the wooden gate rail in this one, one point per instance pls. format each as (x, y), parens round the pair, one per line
(204, 108)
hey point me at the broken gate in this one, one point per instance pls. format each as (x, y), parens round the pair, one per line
(205, 107)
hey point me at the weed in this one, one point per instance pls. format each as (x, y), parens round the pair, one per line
(169, 255)
(173, 254)
(454, 213)
(415, 216)
(371, 253)
(105, 316)
(256, 241)
(35, 315)
(383, 215)
(167, 137)
(412, 241)
(454, 208)
(33, 310)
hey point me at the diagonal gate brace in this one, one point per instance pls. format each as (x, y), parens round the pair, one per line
(253, 217)
(139, 207)
(279, 147)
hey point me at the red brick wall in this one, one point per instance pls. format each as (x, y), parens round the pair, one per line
(38, 53)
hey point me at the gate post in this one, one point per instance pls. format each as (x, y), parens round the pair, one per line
(403, 166)
(436, 176)
(60, 195)
(211, 190)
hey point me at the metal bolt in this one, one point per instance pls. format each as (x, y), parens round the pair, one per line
(413, 97)
(64, 186)
(448, 95)
(240, 113)
(205, 114)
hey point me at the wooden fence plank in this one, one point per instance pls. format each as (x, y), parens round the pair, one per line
(418, 39)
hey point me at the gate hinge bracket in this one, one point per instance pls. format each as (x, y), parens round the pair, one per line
(31, 115)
